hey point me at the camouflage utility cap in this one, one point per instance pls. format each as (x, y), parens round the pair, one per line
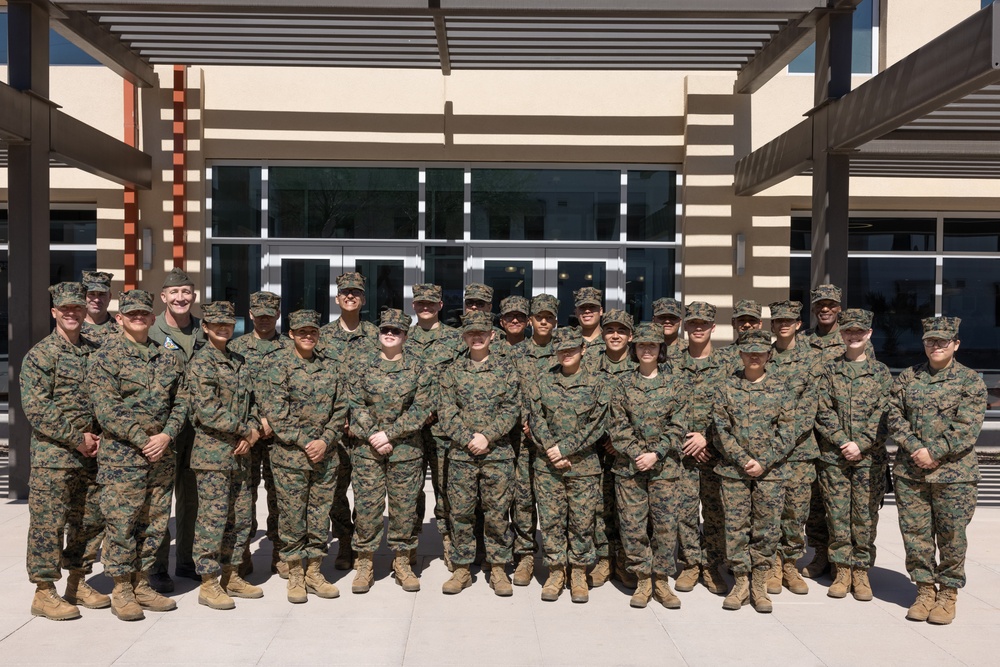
(97, 281)
(218, 312)
(135, 299)
(668, 306)
(699, 310)
(68, 294)
(941, 327)
(826, 293)
(566, 338)
(544, 303)
(427, 292)
(648, 332)
(177, 278)
(747, 307)
(477, 320)
(301, 319)
(265, 303)
(394, 318)
(479, 292)
(586, 295)
(786, 310)
(755, 340)
(618, 316)
(514, 304)
(351, 280)
(855, 318)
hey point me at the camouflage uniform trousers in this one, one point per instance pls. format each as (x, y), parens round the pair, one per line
(700, 484)
(260, 468)
(304, 499)
(375, 482)
(489, 485)
(753, 522)
(645, 504)
(817, 528)
(185, 507)
(63, 500)
(935, 515)
(566, 509)
(136, 506)
(795, 508)
(435, 459)
(523, 514)
(224, 513)
(341, 516)
(607, 541)
(851, 496)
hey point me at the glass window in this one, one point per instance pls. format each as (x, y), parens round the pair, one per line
(971, 290)
(649, 276)
(799, 277)
(445, 193)
(445, 266)
(801, 234)
(235, 276)
(545, 204)
(342, 202)
(71, 226)
(572, 276)
(236, 202)
(61, 50)
(305, 284)
(384, 286)
(651, 205)
(892, 234)
(862, 60)
(507, 278)
(965, 235)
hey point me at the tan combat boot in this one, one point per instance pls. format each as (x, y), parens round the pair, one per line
(861, 588)
(601, 573)
(365, 576)
(246, 565)
(446, 552)
(211, 594)
(643, 591)
(525, 570)
(316, 583)
(500, 582)
(555, 583)
(47, 603)
(791, 578)
(578, 584)
(296, 582)
(460, 580)
(663, 594)
(739, 595)
(943, 612)
(818, 566)
(774, 577)
(345, 556)
(123, 603)
(148, 598)
(925, 602)
(622, 574)
(758, 591)
(404, 575)
(78, 591)
(279, 567)
(841, 585)
(688, 579)
(713, 581)
(235, 586)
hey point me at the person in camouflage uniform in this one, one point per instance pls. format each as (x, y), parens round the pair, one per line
(648, 429)
(936, 411)
(701, 553)
(479, 407)
(850, 423)
(255, 347)
(226, 426)
(669, 313)
(535, 356)
(755, 433)
(514, 320)
(800, 367)
(98, 323)
(746, 317)
(436, 345)
(391, 399)
(567, 416)
(139, 399)
(305, 403)
(588, 309)
(63, 491)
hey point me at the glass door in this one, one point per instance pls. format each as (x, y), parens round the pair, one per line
(304, 277)
(390, 273)
(509, 271)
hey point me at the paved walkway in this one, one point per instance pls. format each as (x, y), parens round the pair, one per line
(390, 627)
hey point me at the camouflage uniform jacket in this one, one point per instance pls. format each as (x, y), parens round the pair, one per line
(480, 398)
(306, 400)
(853, 399)
(831, 346)
(752, 421)
(532, 360)
(436, 349)
(649, 415)
(349, 347)
(162, 333)
(255, 351)
(98, 332)
(571, 413)
(801, 369)
(221, 401)
(943, 412)
(677, 350)
(56, 401)
(705, 376)
(593, 350)
(605, 365)
(137, 391)
(395, 397)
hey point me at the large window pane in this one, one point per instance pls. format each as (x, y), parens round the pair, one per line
(545, 204)
(384, 286)
(445, 266)
(971, 290)
(572, 276)
(508, 277)
(342, 202)
(650, 274)
(892, 234)
(651, 205)
(445, 193)
(235, 276)
(305, 284)
(801, 234)
(965, 235)
(236, 202)
(78, 226)
(799, 275)
(861, 45)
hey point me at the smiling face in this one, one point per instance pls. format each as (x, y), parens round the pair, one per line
(218, 333)
(940, 351)
(478, 341)
(570, 359)
(350, 299)
(589, 315)
(68, 318)
(746, 323)
(178, 299)
(514, 322)
(854, 338)
(391, 339)
(616, 336)
(305, 339)
(826, 311)
(135, 323)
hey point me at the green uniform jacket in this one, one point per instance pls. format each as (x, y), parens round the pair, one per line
(479, 398)
(752, 421)
(137, 392)
(349, 347)
(435, 349)
(98, 332)
(187, 345)
(705, 376)
(255, 351)
(395, 397)
(220, 390)
(56, 401)
(943, 412)
(854, 398)
(649, 415)
(305, 401)
(676, 351)
(801, 367)
(532, 360)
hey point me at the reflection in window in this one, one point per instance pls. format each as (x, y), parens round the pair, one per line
(305, 284)
(383, 287)
(236, 202)
(892, 234)
(71, 226)
(235, 276)
(649, 276)
(861, 44)
(965, 235)
(572, 276)
(971, 291)
(507, 277)
(445, 266)
(445, 194)
(652, 205)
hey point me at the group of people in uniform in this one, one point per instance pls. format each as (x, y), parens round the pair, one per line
(636, 453)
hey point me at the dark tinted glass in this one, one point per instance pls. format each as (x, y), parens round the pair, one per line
(965, 235)
(861, 45)
(652, 205)
(971, 291)
(892, 234)
(445, 194)
(445, 266)
(235, 276)
(384, 286)
(572, 276)
(65, 226)
(236, 201)
(801, 234)
(650, 274)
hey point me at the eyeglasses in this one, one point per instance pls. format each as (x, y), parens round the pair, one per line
(392, 331)
(931, 343)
